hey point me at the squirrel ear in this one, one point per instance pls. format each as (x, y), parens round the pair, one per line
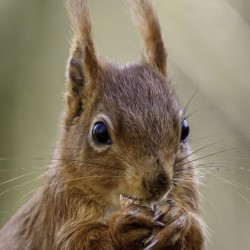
(147, 22)
(83, 68)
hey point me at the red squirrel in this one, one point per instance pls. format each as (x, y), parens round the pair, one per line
(123, 177)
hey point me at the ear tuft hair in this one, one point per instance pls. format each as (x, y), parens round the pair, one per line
(83, 66)
(147, 22)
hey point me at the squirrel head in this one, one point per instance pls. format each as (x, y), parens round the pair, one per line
(123, 125)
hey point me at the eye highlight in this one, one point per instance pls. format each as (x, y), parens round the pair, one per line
(184, 130)
(100, 134)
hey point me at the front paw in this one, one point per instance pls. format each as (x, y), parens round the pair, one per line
(130, 226)
(177, 222)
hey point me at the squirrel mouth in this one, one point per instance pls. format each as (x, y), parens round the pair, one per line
(126, 200)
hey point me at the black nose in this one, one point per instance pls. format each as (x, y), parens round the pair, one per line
(162, 179)
(157, 185)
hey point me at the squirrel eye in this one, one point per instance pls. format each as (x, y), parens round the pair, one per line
(100, 134)
(184, 130)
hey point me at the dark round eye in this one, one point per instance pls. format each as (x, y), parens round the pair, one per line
(100, 134)
(184, 130)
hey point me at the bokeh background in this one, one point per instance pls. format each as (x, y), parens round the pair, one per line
(209, 52)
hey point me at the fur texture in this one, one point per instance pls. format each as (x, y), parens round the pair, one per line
(78, 205)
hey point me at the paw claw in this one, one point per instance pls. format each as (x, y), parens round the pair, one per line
(153, 243)
(149, 240)
(158, 215)
(159, 224)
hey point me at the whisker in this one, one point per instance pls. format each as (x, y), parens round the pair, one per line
(185, 108)
(122, 158)
(60, 159)
(54, 184)
(198, 150)
(242, 196)
(86, 162)
(188, 168)
(209, 155)
(66, 181)
(233, 184)
(20, 185)
(16, 178)
(216, 167)
(191, 189)
(23, 184)
(228, 137)
(195, 111)
(186, 180)
(172, 194)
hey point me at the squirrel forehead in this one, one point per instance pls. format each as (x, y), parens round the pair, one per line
(142, 104)
(139, 89)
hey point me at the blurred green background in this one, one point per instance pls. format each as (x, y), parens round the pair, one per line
(209, 50)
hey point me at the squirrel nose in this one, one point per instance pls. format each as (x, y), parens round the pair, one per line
(157, 185)
(162, 179)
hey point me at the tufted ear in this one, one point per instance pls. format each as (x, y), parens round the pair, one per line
(147, 22)
(83, 67)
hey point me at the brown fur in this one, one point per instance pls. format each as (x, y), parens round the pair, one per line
(78, 205)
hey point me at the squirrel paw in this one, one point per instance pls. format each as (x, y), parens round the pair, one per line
(131, 226)
(177, 222)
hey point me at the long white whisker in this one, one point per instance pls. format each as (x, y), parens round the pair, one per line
(16, 178)
(20, 185)
(198, 150)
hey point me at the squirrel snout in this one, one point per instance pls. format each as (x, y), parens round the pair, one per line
(157, 185)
